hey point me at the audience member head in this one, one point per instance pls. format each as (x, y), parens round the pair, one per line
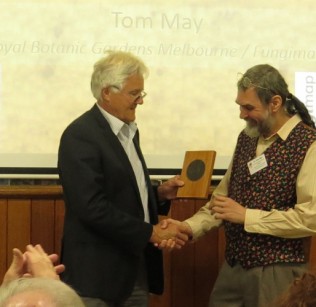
(268, 82)
(302, 293)
(113, 70)
(38, 292)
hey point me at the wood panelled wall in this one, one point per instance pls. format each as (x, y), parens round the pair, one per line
(29, 215)
(34, 214)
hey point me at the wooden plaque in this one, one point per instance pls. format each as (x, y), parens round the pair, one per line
(197, 173)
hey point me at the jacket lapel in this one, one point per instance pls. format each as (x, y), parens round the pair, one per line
(151, 197)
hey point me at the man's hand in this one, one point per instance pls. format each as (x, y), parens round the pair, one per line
(171, 244)
(168, 190)
(33, 263)
(16, 269)
(225, 208)
(170, 235)
(39, 264)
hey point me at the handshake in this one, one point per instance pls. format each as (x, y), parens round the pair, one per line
(170, 234)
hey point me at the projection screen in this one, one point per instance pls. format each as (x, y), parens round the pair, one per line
(194, 50)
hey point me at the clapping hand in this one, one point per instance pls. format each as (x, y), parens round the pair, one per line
(33, 263)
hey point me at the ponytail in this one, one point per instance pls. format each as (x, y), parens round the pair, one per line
(293, 105)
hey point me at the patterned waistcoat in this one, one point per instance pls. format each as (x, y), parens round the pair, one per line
(270, 188)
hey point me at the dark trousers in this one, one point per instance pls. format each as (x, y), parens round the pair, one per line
(138, 298)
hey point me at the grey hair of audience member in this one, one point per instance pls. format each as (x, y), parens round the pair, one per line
(113, 70)
(56, 291)
(268, 82)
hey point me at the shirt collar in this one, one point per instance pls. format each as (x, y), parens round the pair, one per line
(286, 129)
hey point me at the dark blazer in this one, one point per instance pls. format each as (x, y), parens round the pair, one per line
(104, 230)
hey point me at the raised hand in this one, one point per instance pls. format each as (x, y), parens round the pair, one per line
(39, 264)
(17, 268)
(33, 263)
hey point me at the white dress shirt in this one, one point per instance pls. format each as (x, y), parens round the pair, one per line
(125, 133)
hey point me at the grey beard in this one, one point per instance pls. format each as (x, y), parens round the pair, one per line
(252, 131)
(263, 128)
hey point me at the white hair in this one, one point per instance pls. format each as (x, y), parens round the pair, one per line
(60, 294)
(114, 69)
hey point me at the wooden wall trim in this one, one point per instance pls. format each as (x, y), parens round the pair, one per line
(39, 192)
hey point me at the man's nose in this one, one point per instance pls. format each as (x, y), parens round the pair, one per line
(243, 114)
(140, 100)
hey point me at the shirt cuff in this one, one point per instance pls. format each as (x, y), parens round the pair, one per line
(252, 220)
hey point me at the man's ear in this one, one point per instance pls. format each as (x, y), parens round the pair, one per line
(276, 103)
(105, 93)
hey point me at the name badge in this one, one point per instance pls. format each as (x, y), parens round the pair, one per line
(257, 164)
